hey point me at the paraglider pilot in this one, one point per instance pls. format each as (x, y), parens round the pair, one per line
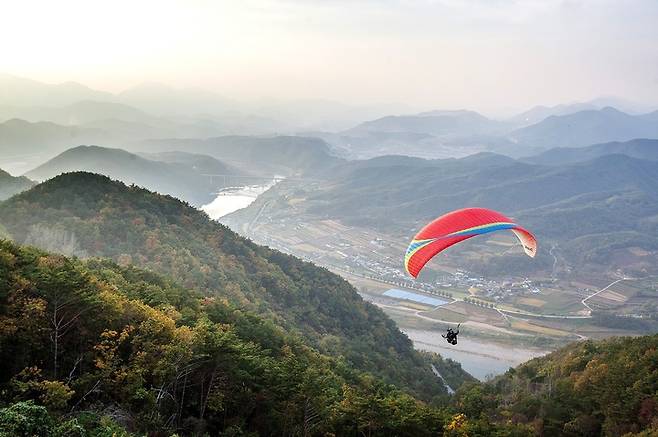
(451, 336)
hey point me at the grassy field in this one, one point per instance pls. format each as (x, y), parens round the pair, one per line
(525, 326)
(444, 313)
(415, 306)
(628, 296)
(550, 301)
(532, 302)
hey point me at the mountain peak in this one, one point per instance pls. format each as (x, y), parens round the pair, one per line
(450, 113)
(586, 127)
(611, 110)
(76, 179)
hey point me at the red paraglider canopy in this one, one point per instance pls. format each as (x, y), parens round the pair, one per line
(457, 226)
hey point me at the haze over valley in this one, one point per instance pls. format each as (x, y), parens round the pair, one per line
(205, 222)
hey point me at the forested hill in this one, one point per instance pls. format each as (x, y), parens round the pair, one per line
(95, 349)
(90, 215)
(91, 348)
(605, 388)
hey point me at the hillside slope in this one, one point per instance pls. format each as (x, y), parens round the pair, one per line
(103, 350)
(605, 388)
(131, 351)
(90, 215)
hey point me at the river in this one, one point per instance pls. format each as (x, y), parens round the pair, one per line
(231, 200)
(479, 358)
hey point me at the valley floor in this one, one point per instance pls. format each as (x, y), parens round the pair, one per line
(504, 321)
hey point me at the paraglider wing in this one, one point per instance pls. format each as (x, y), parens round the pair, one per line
(457, 226)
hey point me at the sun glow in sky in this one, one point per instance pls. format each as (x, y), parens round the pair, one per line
(480, 54)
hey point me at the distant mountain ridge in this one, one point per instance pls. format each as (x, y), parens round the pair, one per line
(280, 155)
(638, 148)
(18, 91)
(203, 164)
(442, 133)
(597, 211)
(156, 111)
(38, 101)
(271, 155)
(412, 192)
(173, 177)
(587, 127)
(542, 112)
(129, 123)
(19, 138)
(430, 134)
(432, 122)
(78, 113)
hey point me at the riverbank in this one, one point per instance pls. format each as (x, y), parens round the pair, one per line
(480, 359)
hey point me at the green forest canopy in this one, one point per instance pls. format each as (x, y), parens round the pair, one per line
(91, 215)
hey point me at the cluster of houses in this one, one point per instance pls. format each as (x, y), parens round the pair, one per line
(374, 263)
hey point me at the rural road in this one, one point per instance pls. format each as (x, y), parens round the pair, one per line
(584, 301)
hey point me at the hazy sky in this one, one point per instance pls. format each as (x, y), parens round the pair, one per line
(482, 54)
